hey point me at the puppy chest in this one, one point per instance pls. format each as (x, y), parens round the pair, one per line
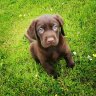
(54, 56)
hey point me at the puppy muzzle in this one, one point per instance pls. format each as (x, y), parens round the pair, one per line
(50, 40)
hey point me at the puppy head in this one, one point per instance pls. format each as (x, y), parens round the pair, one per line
(46, 29)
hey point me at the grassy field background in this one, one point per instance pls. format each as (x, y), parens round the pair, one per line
(19, 73)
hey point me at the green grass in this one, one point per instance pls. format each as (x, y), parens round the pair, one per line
(19, 73)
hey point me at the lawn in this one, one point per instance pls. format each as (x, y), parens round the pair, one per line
(20, 75)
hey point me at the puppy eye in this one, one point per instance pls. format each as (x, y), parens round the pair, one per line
(41, 30)
(55, 27)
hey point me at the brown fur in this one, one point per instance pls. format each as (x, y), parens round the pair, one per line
(49, 45)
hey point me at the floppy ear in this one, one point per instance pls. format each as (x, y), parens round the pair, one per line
(31, 34)
(60, 20)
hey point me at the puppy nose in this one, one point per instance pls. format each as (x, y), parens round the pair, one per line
(50, 40)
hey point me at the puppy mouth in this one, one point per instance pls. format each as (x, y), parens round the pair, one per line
(50, 42)
(49, 45)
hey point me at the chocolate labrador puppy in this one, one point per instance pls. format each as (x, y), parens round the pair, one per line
(48, 43)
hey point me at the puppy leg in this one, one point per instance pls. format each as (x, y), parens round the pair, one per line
(67, 55)
(33, 51)
(49, 69)
(69, 60)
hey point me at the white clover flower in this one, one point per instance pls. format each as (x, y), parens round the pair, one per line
(74, 53)
(89, 57)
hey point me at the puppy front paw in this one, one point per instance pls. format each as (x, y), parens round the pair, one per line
(70, 65)
(56, 75)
